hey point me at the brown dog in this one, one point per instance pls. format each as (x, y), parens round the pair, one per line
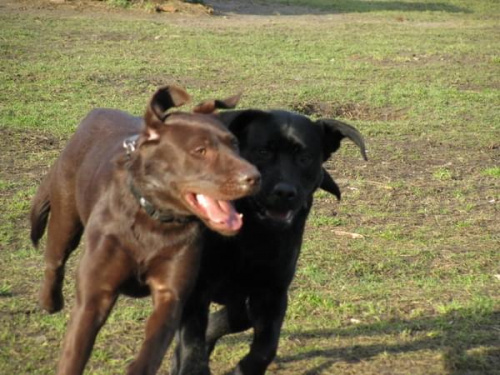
(141, 188)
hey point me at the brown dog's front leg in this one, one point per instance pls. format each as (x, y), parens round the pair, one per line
(160, 330)
(86, 320)
(168, 289)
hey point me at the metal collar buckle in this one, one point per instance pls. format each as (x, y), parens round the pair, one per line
(130, 144)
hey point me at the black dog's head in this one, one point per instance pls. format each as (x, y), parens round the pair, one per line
(289, 150)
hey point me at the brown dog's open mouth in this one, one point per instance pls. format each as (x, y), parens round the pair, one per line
(219, 215)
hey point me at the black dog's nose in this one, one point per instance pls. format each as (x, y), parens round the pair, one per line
(285, 191)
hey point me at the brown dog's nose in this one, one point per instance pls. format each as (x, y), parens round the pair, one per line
(250, 178)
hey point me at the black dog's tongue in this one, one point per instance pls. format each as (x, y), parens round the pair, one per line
(220, 213)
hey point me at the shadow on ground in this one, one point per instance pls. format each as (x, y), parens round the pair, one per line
(222, 7)
(456, 335)
(469, 342)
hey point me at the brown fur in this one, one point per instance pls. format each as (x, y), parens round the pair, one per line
(178, 158)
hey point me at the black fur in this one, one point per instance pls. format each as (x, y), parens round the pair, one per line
(250, 273)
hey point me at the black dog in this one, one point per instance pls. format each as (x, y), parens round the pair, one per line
(250, 273)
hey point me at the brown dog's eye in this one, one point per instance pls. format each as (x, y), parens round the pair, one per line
(200, 151)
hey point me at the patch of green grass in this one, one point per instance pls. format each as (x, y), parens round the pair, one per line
(492, 172)
(5, 289)
(4, 185)
(327, 221)
(442, 174)
(120, 3)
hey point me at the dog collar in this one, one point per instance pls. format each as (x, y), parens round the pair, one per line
(130, 145)
(155, 213)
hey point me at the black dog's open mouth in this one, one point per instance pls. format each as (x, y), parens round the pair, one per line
(219, 215)
(281, 216)
(276, 215)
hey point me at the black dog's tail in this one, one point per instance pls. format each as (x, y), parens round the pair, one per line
(39, 214)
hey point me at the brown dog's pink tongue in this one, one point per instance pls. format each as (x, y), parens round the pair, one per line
(220, 212)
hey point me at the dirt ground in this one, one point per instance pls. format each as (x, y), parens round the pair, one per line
(232, 8)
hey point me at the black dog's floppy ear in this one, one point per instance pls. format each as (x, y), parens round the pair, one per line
(335, 131)
(209, 106)
(165, 98)
(329, 185)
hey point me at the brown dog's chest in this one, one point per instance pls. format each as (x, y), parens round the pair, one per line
(143, 239)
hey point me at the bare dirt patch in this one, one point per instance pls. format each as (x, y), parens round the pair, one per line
(224, 7)
(213, 7)
(234, 13)
(159, 6)
(349, 111)
(24, 152)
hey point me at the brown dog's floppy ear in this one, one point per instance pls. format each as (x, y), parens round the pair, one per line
(209, 106)
(165, 98)
(334, 131)
(329, 185)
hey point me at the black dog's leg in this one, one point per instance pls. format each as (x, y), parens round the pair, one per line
(175, 361)
(190, 356)
(232, 318)
(267, 312)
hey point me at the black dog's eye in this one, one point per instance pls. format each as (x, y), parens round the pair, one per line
(263, 153)
(304, 158)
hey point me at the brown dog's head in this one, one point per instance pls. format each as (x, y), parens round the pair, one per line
(188, 163)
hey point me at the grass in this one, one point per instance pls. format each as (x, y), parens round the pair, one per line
(416, 293)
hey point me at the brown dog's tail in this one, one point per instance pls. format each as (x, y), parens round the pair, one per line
(39, 214)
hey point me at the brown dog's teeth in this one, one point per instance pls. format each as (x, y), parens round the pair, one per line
(201, 199)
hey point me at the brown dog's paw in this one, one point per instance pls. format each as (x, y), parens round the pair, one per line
(51, 301)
